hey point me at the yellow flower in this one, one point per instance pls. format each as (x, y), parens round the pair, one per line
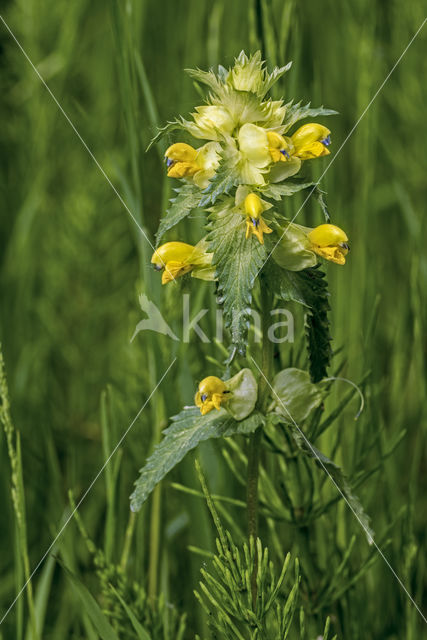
(254, 155)
(254, 223)
(330, 242)
(179, 258)
(309, 141)
(212, 391)
(211, 122)
(183, 161)
(298, 246)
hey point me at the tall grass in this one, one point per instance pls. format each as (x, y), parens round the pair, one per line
(73, 264)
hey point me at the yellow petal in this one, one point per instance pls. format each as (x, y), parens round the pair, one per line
(327, 234)
(309, 133)
(181, 152)
(174, 270)
(312, 150)
(334, 254)
(216, 400)
(253, 205)
(276, 141)
(172, 251)
(182, 169)
(253, 143)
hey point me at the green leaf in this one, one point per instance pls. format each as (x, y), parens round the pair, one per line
(277, 191)
(182, 205)
(295, 112)
(237, 261)
(224, 180)
(208, 78)
(92, 608)
(309, 288)
(295, 395)
(170, 126)
(319, 196)
(188, 428)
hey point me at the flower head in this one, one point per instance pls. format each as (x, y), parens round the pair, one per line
(211, 393)
(183, 161)
(178, 258)
(255, 225)
(311, 141)
(330, 242)
(299, 246)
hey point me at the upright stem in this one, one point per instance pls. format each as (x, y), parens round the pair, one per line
(255, 441)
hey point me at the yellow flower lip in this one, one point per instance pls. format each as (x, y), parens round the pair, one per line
(280, 149)
(181, 160)
(330, 242)
(211, 392)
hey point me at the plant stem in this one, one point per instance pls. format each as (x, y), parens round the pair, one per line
(255, 441)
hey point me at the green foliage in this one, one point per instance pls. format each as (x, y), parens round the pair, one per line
(333, 472)
(294, 396)
(188, 429)
(72, 266)
(224, 180)
(288, 188)
(309, 288)
(296, 112)
(238, 261)
(182, 205)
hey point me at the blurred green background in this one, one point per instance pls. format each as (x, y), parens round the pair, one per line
(73, 263)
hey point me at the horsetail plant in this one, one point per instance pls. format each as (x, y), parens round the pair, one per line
(252, 157)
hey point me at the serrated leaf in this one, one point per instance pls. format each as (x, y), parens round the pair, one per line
(208, 78)
(181, 206)
(273, 77)
(170, 126)
(296, 112)
(188, 428)
(224, 180)
(277, 191)
(309, 288)
(237, 261)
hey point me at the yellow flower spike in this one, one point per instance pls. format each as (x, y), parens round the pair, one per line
(330, 242)
(212, 391)
(311, 141)
(181, 160)
(254, 223)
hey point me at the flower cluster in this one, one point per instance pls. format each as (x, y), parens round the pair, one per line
(251, 147)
